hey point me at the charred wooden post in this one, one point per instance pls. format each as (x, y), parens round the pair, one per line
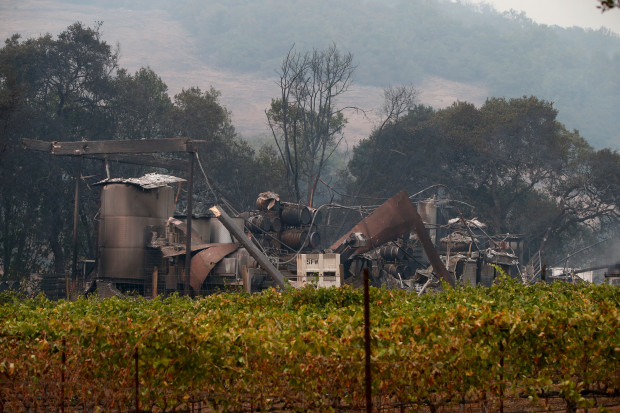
(155, 281)
(367, 349)
(188, 244)
(76, 209)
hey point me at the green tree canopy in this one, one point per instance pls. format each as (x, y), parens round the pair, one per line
(71, 88)
(521, 169)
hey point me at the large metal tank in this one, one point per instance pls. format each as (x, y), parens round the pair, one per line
(130, 213)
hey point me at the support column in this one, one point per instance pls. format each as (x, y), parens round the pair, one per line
(188, 243)
(76, 210)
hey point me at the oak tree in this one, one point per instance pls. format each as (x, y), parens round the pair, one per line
(306, 122)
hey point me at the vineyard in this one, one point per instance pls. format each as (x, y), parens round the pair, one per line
(303, 350)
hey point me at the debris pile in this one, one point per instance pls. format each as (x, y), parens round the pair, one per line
(283, 227)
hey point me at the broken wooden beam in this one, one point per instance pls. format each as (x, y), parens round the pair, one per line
(79, 148)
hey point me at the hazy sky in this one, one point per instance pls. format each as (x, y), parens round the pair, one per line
(565, 13)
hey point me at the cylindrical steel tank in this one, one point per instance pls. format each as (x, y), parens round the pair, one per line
(294, 238)
(202, 225)
(392, 253)
(219, 233)
(398, 269)
(129, 215)
(275, 223)
(258, 224)
(317, 216)
(296, 215)
(314, 239)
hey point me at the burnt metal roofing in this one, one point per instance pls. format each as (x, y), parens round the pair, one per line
(148, 181)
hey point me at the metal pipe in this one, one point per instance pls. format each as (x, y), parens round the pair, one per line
(430, 250)
(262, 260)
(155, 281)
(76, 209)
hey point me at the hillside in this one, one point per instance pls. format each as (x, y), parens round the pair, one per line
(448, 51)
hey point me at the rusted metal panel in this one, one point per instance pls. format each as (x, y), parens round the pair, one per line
(393, 218)
(204, 261)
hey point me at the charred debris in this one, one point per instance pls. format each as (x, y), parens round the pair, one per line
(144, 247)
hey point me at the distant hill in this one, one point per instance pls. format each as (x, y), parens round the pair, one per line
(448, 50)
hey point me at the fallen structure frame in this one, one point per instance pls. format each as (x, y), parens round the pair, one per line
(127, 151)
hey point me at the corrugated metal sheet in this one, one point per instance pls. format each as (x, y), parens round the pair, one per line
(148, 181)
